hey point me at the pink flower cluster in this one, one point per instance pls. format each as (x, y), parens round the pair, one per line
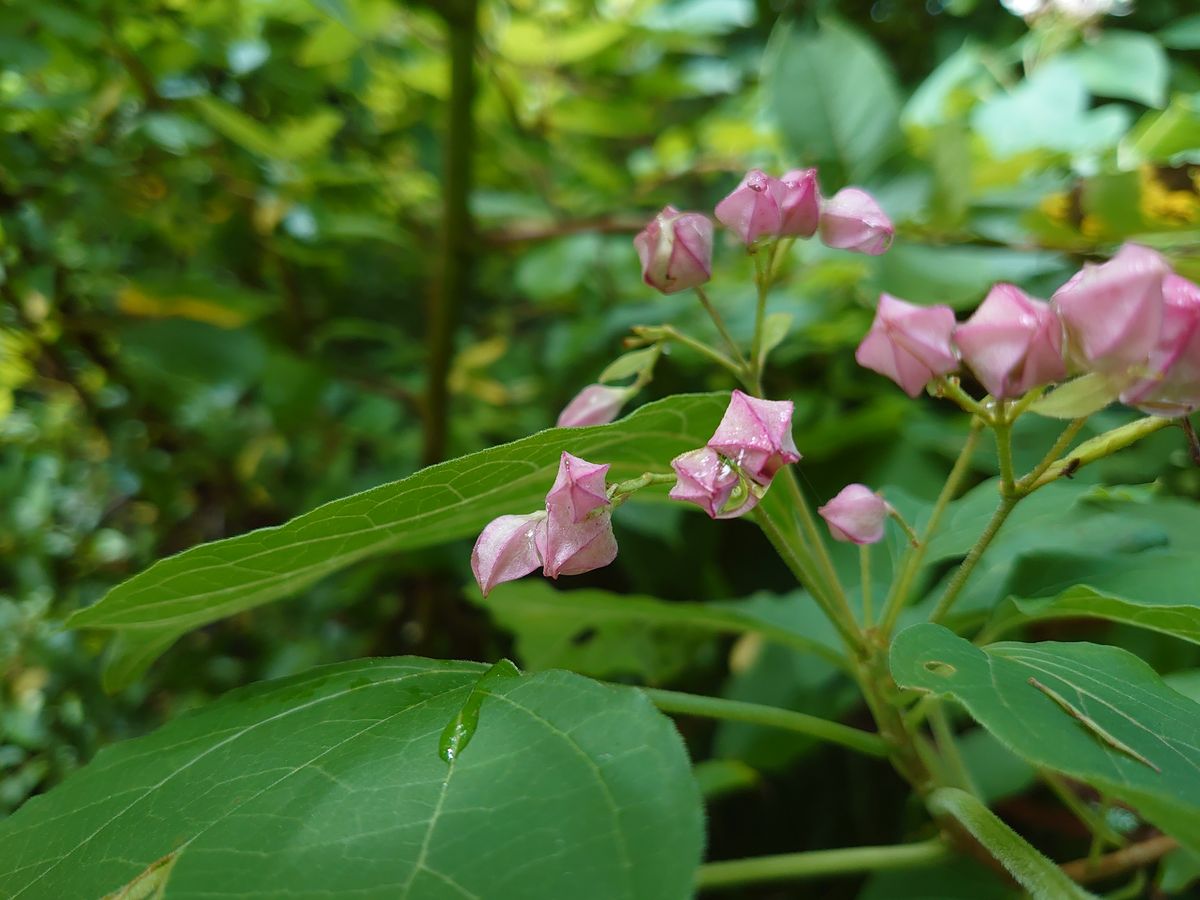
(727, 476)
(676, 247)
(1131, 319)
(572, 535)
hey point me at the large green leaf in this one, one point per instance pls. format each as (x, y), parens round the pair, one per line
(441, 503)
(1155, 590)
(331, 784)
(1095, 713)
(834, 96)
(1124, 64)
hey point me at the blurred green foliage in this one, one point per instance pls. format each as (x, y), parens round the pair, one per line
(217, 226)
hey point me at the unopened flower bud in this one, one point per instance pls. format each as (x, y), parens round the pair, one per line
(1113, 312)
(578, 536)
(1012, 343)
(856, 515)
(596, 404)
(705, 478)
(909, 344)
(578, 489)
(756, 435)
(1172, 383)
(507, 549)
(676, 250)
(752, 209)
(852, 220)
(800, 207)
(572, 549)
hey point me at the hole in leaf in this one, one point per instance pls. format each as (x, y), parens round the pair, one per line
(937, 667)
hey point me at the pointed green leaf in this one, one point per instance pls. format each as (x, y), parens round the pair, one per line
(630, 364)
(330, 784)
(1095, 713)
(445, 502)
(1077, 398)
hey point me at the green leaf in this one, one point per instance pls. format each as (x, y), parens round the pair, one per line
(237, 126)
(607, 635)
(1159, 591)
(529, 42)
(1094, 713)
(1123, 64)
(1037, 874)
(1077, 398)
(1182, 34)
(958, 276)
(1160, 136)
(834, 96)
(775, 330)
(442, 503)
(330, 784)
(954, 879)
(630, 364)
(1052, 106)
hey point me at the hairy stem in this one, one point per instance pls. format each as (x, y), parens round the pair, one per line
(669, 333)
(855, 739)
(818, 863)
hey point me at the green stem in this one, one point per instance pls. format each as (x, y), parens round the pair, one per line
(819, 863)
(1094, 820)
(803, 568)
(1008, 478)
(864, 564)
(621, 491)
(959, 580)
(669, 333)
(816, 538)
(910, 532)
(1061, 444)
(947, 745)
(734, 350)
(898, 596)
(762, 281)
(949, 387)
(865, 742)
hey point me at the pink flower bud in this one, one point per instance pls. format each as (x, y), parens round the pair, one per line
(578, 489)
(909, 344)
(800, 208)
(752, 209)
(756, 435)
(578, 536)
(703, 477)
(574, 548)
(1172, 383)
(856, 515)
(507, 549)
(596, 404)
(852, 220)
(1112, 313)
(1012, 343)
(676, 250)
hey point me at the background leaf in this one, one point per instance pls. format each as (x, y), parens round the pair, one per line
(834, 97)
(271, 789)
